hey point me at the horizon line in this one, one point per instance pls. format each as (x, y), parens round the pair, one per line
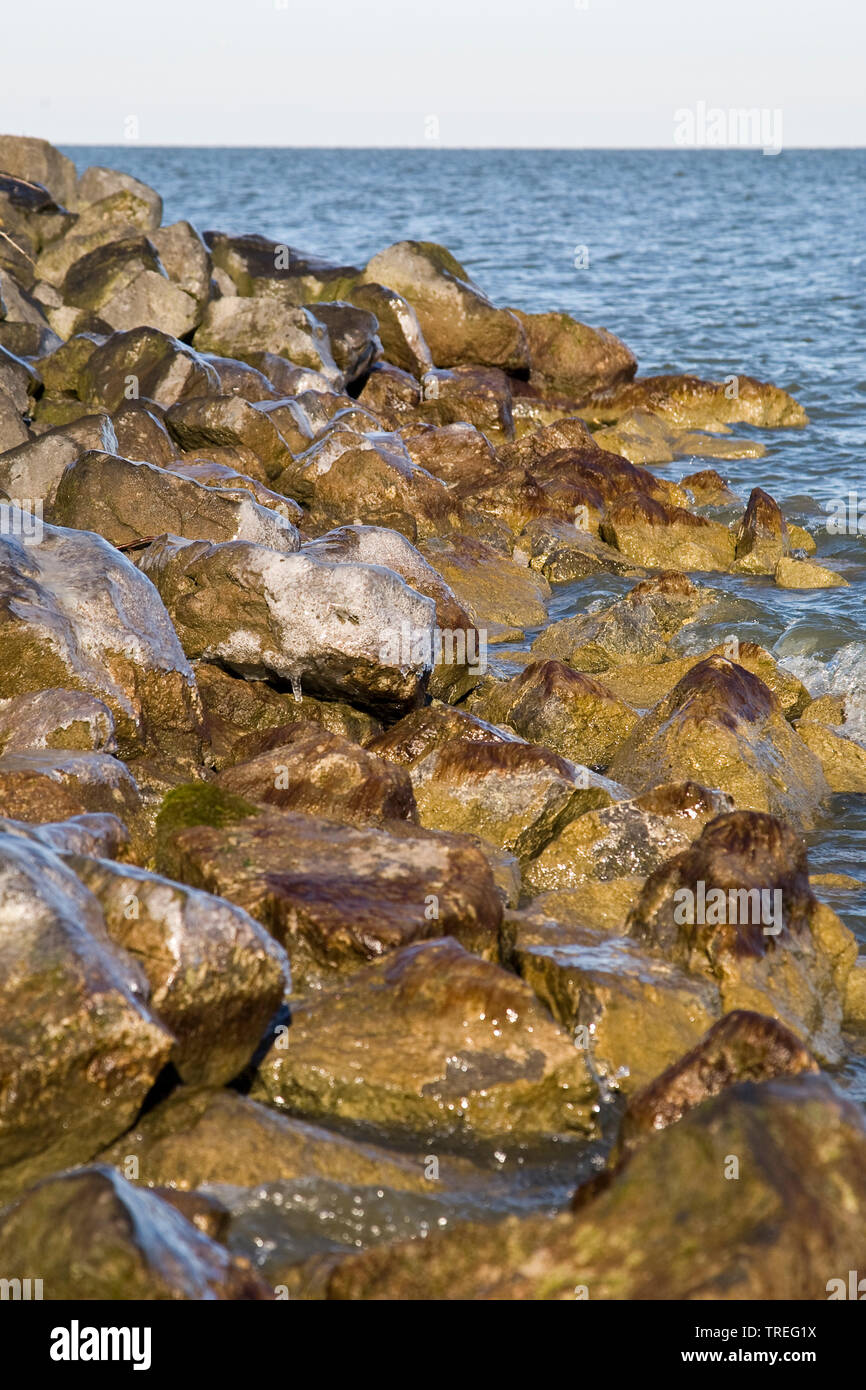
(437, 145)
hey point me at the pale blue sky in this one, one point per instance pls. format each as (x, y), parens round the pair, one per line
(371, 72)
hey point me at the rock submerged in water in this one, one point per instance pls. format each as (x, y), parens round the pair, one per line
(279, 687)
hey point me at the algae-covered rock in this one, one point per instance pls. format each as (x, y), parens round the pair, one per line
(843, 759)
(646, 684)
(201, 1136)
(459, 323)
(430, 1041)
(126, 502)
(638, 627)
(679, 1222)
(627, 838)
(255, 264)
(736, 908)
(631, 1013)
(236, 326)
(418, 734)
(92, 1235)
(644, 438)
(742, 1046)
(514, 795)
(805, 574)
(691, 403)
(570, 359)
(762, 538)
(571, 713)
(722, 727)
(347, 475)
(562, 552)
(323, 774)
(666, 537)
(230, 421)
(479, 396)
(75, 614)
(403, 343)
(144, 362)
(334, 895)
(216, 977)
(244, 717)
(78, 1048)
(496, 591)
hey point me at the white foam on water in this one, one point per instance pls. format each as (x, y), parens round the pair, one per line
(844, 676)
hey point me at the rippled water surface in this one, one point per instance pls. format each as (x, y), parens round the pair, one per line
(718, 263)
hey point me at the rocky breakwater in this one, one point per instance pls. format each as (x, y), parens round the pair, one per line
(325, 919)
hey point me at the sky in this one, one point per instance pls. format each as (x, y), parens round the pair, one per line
(537, 73)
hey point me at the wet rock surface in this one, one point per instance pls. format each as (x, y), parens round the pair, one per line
(403, 891)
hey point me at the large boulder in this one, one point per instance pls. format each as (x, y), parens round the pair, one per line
(145, 363)
(119, 217)
(255, 264)
(334, 895)
(514, 795)
(742, 1046)
(629, 838)
(322, 774)
(571, 713)
(762, 537)
(736, 908)
(353, 333)
(98, 182)
(694, 404)
(236, 327)
(185, 259)
(498, 593)
(637, 628)
(198, 1136)
(666, 537)
(722, 727)
(77, 615)
(459, 323)
(39, 162)
(216, 977)
(431, 1042)
(230, 421)
(569, 359)
(680, 1222)
(78, 1048)
(323, 628)
(400, 334)
(34, 469)
(459, 656)
(346, 475)
(127, 502)
(93, 1235)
